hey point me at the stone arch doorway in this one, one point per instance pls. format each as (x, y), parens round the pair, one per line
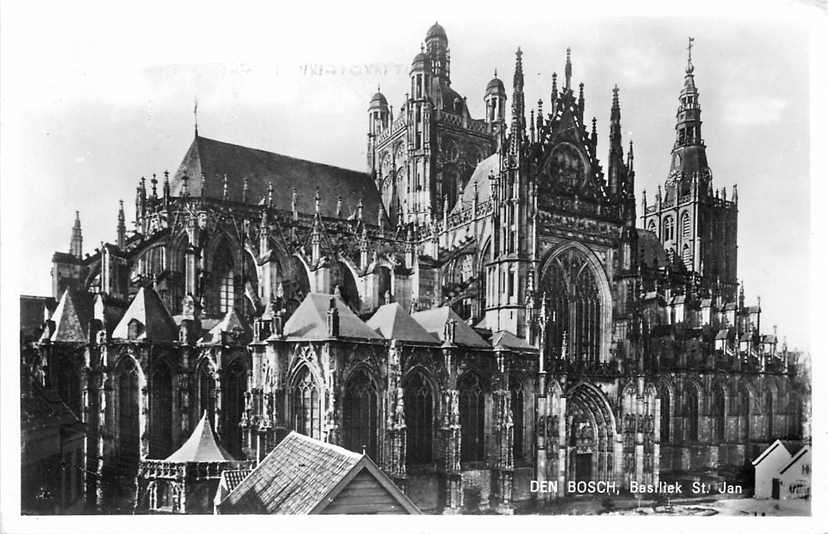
(591, 433)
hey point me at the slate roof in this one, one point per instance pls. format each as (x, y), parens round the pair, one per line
(148, 309)
(302, 475)
(391, 321)
(216, 158)
(229, 323)
(310, 320)
(72, 318)
(201, 446)
(484, 186)
(434, 321)
(508, 340)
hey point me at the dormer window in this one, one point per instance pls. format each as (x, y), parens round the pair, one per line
(135, 329)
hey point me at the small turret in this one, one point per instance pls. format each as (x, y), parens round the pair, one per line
(495, 101)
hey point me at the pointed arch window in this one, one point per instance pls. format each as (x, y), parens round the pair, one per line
(233, 391)
(576, 303)
(744, 409)
(516, 402)
(419, 419)
(360, 415)
(305, 405)
(665, 416)
(685, 225)
(161, 411)
(691, 413)
(128, 424)
(472, 419)
(669, 229)
(224, 278)
(687, 256)
(769, 413)
(206, 393)
(719, 416)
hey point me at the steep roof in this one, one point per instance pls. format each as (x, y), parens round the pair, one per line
(33, 312)
(71, 318)
(434, 322)
(392, 322)
(509, 341)
(776, 445)
(231, 323)
(302, 475)
(148, 310)
(310, 320)
(215, 159)
(796, 458)
(650, 250)
(484, 186)
(201, 446)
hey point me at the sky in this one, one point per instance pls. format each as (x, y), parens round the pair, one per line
(96, 95)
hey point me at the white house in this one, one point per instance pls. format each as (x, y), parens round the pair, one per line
(767, 466)
(795, 477)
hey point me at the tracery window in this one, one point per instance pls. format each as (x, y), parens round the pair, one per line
(568, 165)
(575, 300)
(669, 229)
(685, 225)
(223, 274)
(769, 413)
(419, 420)
(360, 415)
(305, 404)
(516, 402)
(718, 416)
(472, 443)
(691, 412)
(206, 393)
(232, 407)
(161, 412)
(128, 399)
(665, 416)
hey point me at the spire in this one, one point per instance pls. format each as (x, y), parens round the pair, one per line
(630, 158)
(195, 116)
(689, 155)
(518, 112)
(166, 186)
(270, 195)
(568, 69)
(616, 152)
(554, 90)
(76, 243)
(154, 183)
(121, 230)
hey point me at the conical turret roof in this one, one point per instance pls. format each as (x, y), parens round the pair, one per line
(202, 446)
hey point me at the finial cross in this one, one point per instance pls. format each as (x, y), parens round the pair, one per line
(690, 48)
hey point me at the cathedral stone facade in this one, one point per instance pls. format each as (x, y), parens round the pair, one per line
(483, 307)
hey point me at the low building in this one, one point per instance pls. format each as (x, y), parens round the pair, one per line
(303, 475)
(795, 478)
(767, 466)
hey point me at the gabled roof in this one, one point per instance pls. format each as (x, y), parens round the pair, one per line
(434, 322)
(148, 310)
(259, 167)
(72, 317)
(797, 457)
(775, 446)
(507, 340)
(33, 313)
(231, 478)
(310, 320)
(231, 323)
(392, 322)
(302, 475)
(201, 446)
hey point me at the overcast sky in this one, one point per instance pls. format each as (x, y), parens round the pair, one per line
(97, 95)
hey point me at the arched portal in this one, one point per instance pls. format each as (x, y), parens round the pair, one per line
(360, 414)
(419, 418)
(591, 434)
(581, 302)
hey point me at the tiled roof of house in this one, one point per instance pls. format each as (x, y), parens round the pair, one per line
(259, 168)
(434, 322)
(393, 322)
(796, 458)
(201, 446)
(297, 474)
(310, 320)
(231, 478)
(302, 475)
(156, 322)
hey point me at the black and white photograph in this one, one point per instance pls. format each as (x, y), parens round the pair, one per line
(501, 259)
